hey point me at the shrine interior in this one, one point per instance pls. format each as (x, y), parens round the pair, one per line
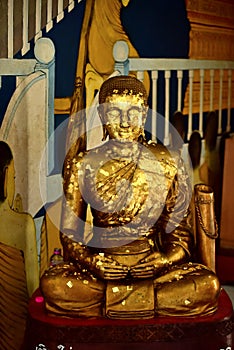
(54, 57)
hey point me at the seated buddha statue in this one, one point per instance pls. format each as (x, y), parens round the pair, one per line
(139, 262)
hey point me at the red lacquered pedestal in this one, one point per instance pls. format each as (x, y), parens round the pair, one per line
(46, 332)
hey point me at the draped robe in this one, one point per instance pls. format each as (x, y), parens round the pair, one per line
(139, 195)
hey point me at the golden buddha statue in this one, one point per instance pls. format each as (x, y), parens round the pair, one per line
(139, 261)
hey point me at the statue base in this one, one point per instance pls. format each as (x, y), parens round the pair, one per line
(46, 332)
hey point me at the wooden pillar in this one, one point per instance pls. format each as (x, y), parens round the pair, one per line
(227, 217)
(211, 38)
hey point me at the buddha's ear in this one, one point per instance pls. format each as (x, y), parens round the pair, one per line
(146, 108)
(101, 112)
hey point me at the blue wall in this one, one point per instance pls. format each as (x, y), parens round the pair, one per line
(156, 28)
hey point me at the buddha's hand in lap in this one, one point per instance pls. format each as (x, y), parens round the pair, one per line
(151, 266)
(107, 268)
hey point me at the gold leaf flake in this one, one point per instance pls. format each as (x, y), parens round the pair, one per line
(70, 284)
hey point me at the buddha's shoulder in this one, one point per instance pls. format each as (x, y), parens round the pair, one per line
(91, 158)
(163, 153)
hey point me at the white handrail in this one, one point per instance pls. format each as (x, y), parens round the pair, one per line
(142, 64)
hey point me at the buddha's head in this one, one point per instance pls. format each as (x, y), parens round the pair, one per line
(7, 174)
(123, 107)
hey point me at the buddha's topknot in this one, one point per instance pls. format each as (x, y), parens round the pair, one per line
(120, 85)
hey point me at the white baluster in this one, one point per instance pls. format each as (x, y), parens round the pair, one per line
(26, 45)
(201, 102)
(167, 102)
(38, 32)
(179, 78)
(190, 116)
(220, 100)
(154, 76)
(228, 128)
(10, 29)
(49, 24)
(211, 89)
(71, 5)
(120, 54)
(60, 11)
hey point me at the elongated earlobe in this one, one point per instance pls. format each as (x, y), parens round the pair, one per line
(141, 137)
(143, 133)
(105, 133)
(101, 116)
(101, 113)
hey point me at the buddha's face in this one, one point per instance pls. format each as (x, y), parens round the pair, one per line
(124, 116)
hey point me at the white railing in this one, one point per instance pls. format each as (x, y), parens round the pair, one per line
(35, 14)
(211, 76)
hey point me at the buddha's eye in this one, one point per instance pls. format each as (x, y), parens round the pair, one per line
(113, 114)
(135, 116)
(134, 112)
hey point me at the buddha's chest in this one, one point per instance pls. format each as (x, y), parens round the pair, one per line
(118, 185)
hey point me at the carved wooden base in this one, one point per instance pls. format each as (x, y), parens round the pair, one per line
(165, 333)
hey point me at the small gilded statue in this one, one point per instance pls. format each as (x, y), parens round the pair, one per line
(139, 261)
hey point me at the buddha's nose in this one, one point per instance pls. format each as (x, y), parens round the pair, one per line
(124, 119)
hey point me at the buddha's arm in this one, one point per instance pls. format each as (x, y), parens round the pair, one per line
(74, 207)
(174, 234)
(175, 225)
(73, 219)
